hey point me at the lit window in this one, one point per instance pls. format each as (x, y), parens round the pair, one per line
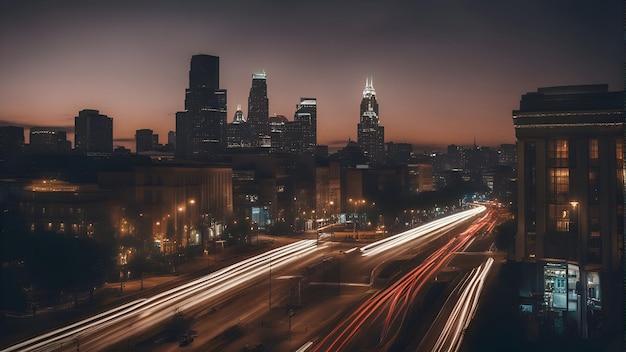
(593, 149)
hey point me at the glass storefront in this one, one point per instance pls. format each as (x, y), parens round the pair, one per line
(560, 286)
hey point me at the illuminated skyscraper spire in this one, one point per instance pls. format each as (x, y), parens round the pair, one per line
(239, 118)
(370, 135)
(369, 90)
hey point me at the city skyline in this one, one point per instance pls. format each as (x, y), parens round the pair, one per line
(433, 65)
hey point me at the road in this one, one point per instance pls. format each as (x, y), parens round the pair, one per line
(318, 281)
(374, 325)
(121, 323)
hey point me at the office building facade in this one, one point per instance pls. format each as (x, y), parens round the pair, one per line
(48, 140)
(144, 140)
(570, 144)
(258, 107)
(11, 141)
(93, 132)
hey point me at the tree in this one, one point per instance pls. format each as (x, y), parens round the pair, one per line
(140, 264)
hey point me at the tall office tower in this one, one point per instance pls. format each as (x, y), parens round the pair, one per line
(93, 132)
(171, 138)
(570, 148)
(370, 135)
(306, 114)
(200, 129)
(11, 141)
(278, 127)
(239, 117)
(238, 133)
(258, 107)
(144, 140)
(48, 140)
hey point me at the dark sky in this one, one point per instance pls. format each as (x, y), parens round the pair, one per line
(444, 71)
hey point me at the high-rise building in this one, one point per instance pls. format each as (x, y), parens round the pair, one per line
(258, 106)
(11, 140)
(238, 133)
(278, 131)
(306, 116)
(144, 139)
(200, 129)
(171, 139)
(570, 148)
(398, 153)
(48, 140)
(370, 134)
(93, 132)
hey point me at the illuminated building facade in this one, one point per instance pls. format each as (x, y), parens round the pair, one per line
(238, 133)
(179, 204)
(570, 199)
(74, 209)
(305, 125)
(370, 134)
(93, 132)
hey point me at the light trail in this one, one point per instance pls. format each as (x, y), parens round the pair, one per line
(452, 334)
(420, 231)
(147, 312)
(395, 301)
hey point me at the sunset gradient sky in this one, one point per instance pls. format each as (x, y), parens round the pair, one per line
(444, 71)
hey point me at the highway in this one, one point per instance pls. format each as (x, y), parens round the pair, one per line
(105, 329)
(376, 322)
(451, 336)
(242, 290)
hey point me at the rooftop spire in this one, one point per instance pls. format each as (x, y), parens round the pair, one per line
(369, 91)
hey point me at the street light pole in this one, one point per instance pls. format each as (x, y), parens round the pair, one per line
(582, 274)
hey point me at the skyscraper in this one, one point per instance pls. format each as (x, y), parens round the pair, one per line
(11, 141)
(200, 129)
(238, 133)
(258, 107)
(306, 114)
(93, 132)
(370, 135)
(144, 140)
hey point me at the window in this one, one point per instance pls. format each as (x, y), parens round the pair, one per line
(594, 153)
(558, 152)
(559, 217)
(559, 185)
(594, 186)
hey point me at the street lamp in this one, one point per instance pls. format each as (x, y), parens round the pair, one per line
(189, 215)
(180, 210)
(582, 275)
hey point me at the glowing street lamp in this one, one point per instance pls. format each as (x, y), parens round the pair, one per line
(582, 275)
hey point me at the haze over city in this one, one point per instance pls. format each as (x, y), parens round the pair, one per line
(459, 65)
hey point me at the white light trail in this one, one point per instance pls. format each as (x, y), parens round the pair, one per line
(152, 310)
(420, 231)
(452, 334)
